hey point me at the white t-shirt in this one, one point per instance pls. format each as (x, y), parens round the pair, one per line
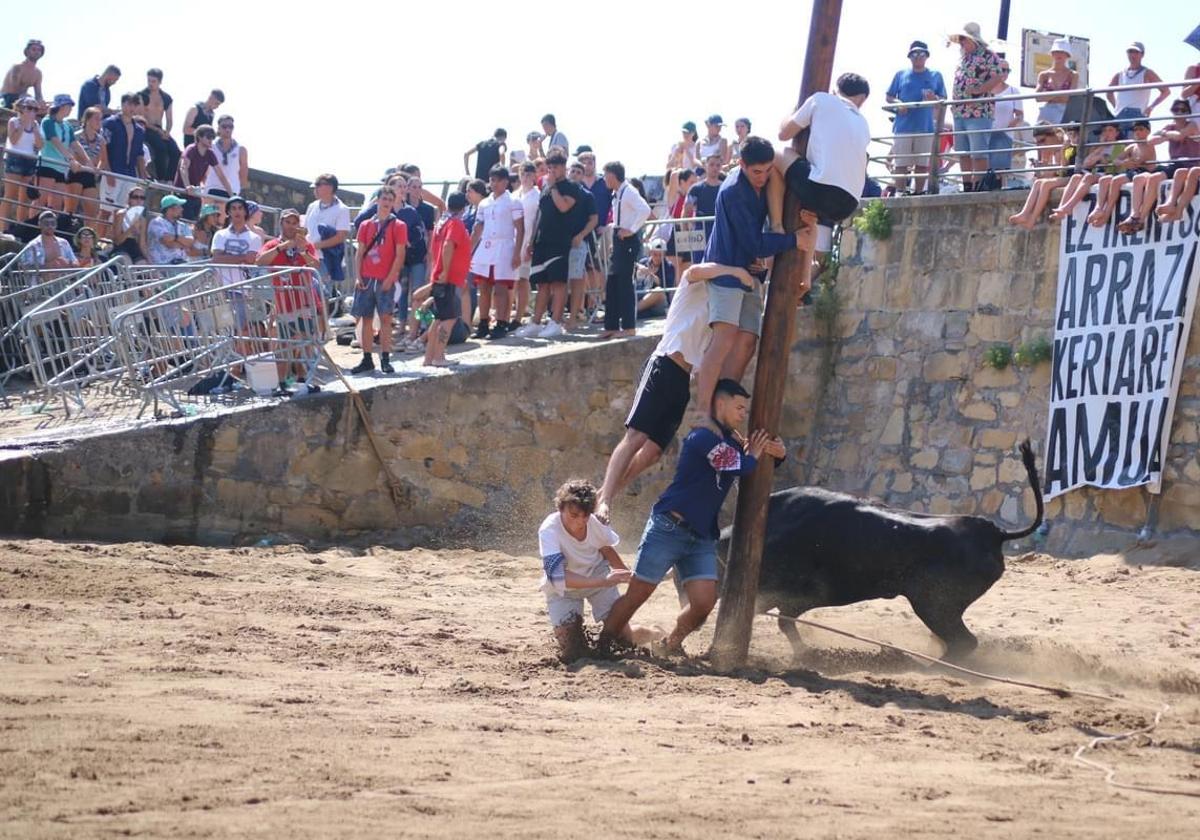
(562, 553)
(336, 216)
(498, 215)
(236, 245)
(529, 208)
(837, 141)
(686, 329)
(232, 169)
(1005, 110)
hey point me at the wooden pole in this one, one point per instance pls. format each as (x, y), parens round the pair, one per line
(791, 273)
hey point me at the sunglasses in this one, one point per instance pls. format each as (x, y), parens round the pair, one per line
(28, 107)
(1181, 113)
(137, 198)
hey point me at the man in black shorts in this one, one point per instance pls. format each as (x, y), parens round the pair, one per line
(550, 244)
(831, 176)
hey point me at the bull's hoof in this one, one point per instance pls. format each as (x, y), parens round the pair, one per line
(960, 649)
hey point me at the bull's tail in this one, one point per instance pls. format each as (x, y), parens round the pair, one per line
(1036, 484)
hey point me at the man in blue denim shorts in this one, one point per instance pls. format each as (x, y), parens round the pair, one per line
(682, 531)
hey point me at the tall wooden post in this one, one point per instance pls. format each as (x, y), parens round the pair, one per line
(791, 273)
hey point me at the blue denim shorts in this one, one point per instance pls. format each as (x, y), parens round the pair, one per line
(371, 300)
(976, 143)
(666, 543)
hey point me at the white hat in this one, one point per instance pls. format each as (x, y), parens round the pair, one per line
(657, 244)
(1061, 45)
(969, 30)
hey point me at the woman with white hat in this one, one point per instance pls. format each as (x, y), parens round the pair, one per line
(1059, 77)
(976, 77)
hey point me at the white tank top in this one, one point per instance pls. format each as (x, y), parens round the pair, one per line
(1132, 98)
(231, 164)
(686, 329)
(709, 147)
(24, 144)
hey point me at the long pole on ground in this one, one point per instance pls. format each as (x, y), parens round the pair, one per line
(791, 273)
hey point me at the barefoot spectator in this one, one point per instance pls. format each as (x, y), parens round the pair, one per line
(713, 143)
(550, 244)
(682, 531)
(58, 151)
(1058, 77)
(25, 76)
(83, 183)
(327, 221)
(914, 124)
(487, 153)
(1182, 136)
(202, 113)
(96, 92)
(977, 74)
(48, 250)
(1137, 158)
(496, 244)
(1098, 162)
(1131, 105)
(159, 110)
(124, 154)
(168, 237)
(579, 562)
(22, 145)
(379, 257)
(735, 312)
(630, 211)
(451, 262)
(197, 162)
(1047, 179)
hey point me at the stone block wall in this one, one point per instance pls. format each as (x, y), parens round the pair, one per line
(901, 409)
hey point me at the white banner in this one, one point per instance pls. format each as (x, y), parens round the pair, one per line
(1121, 323)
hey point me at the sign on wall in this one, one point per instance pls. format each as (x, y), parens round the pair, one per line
(1035, 55)
(1121, 323)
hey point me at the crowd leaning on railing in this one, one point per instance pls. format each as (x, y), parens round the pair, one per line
(546, 240)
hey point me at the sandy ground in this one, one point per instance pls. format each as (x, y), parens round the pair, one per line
(195, 692)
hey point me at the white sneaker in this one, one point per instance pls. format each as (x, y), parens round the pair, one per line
(553, 329)
(529, 330)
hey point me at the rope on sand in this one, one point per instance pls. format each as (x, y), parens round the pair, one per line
(1109, 772)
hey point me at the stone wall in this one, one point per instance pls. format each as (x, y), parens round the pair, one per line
(899, 406)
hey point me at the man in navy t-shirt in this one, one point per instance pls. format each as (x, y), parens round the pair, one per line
(919, 84)
(682, 531)
(702, 197)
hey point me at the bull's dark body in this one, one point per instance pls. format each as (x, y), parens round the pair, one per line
(826, 549)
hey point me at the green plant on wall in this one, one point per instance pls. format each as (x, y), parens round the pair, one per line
(875, 220)
(1033, 352)
(998, 356)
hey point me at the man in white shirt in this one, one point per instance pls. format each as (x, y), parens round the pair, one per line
(830, 178)
(496, 243)
(1009, 115)
(630, 211)
(663, 392)
(328, 223)
(236, 246)
(554, 137)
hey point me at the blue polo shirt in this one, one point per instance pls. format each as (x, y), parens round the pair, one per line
(737, 236)
(908, 86)
(709, 465)
(117, 139)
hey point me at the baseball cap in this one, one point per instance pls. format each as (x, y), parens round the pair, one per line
(583, 150)
(688, 126)
(287, 211)
(169, 201)
(714, 119)
(1137, 45)
(237, 199)
(918, 46)
(209, 210)
(657, 244)
(60, 100)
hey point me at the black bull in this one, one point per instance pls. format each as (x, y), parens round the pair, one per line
(826, 549)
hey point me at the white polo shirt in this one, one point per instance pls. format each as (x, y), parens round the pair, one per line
(837, 141)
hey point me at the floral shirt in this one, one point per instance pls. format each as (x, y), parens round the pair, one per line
(34, 256)
(972, 69)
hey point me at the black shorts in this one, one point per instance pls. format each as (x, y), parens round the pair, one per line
(46, 173)
(549, 265)
(831, 204)
(447, 305)
(85, 179)
(660, 401)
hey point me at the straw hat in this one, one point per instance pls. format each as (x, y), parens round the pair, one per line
(969, 30)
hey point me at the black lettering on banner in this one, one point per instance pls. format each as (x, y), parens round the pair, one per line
(1181, 304)
(1087, 375)
(1164, 314)
(1072, 365)
(1056, 375)
(1126, 365)
(1093, 281)
(1056, 450)
(1119, 281)
(1066, 313)
(1107, 447)
(1149, 353)
(1143, 295)
(1168, 346)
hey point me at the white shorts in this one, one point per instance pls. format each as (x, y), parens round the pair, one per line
(115, 196)
(497, 254)
(564, 608)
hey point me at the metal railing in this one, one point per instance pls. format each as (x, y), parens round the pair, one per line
(1085, 112)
